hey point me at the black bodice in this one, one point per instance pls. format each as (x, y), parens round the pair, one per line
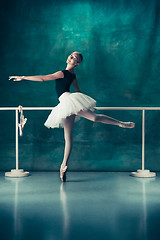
(63, 84)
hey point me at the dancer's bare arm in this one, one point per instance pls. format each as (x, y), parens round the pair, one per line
(76, 86)
(39, 78)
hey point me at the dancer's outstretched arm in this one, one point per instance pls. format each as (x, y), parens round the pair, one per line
(39, 78)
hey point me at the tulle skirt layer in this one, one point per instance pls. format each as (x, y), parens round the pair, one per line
(70, 103)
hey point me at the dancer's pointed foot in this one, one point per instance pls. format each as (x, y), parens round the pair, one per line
(126, 124)
(63, 171)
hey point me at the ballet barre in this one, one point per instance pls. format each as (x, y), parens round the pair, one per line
(141, 173)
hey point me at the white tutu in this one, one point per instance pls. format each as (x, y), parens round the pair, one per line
(70, 103)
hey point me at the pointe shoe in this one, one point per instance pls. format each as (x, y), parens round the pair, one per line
(20, 130)
(63, 171)
(21, 126)
(24, 122)
(126, 124)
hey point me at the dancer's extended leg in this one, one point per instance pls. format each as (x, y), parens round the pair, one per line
(68, 127)
(105, 119)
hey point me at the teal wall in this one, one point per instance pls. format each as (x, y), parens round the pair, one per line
(120, 42)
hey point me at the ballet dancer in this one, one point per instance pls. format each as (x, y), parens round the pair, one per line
(71, 106)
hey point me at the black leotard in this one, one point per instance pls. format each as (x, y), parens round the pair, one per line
(63, 84)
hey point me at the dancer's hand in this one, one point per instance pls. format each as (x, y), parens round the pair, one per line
(16, 78)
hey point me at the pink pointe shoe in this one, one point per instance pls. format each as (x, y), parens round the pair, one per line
(22, 121)
(21, 126)
(63, 171)
(126, 124)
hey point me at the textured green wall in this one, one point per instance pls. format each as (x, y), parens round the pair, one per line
(120, 41)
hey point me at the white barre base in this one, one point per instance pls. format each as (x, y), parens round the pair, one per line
(143, 174)
(16, 173)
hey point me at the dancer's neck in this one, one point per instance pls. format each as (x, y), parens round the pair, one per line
(70, 68)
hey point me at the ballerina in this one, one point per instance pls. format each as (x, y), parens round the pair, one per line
(71, 106)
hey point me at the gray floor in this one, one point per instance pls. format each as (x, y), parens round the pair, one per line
(88, 206)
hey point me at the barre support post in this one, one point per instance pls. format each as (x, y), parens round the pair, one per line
(143, 173)
(16, 173)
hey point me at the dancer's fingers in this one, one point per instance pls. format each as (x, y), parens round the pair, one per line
(11, 77)
(15, 78)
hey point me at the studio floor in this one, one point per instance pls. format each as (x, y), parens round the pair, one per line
(90, 205)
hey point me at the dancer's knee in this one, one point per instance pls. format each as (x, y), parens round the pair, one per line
(95, 118)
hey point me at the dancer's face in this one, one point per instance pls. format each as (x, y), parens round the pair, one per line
(73, 59)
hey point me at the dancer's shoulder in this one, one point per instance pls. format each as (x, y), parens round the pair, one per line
(58, 74)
